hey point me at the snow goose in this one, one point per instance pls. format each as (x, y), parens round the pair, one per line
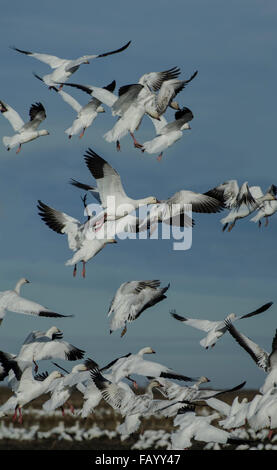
(216, 329)
(28, 389)
(114, 200)
(64, 68)
(167, 133)
(11, 300)
(82, 238)
(37, 346)
(136, 364)
(91, 394)
(48, 345)
(85, 114)
(131, 299)
(121, 397)
(168, 90)
(25, 132)
(264, 360)
(62, 389)
(266, 209)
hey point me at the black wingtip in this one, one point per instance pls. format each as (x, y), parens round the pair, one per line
(20, 50)
(91, 364)
(177, 317)
(53, 315)
(75, 354)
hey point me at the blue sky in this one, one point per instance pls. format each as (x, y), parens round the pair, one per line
(233, 136)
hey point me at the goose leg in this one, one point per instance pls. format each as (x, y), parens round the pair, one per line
(266, 222)
(224, 227)
(19, 148)
(20, 419)
(260, 224)
(82, 133)
(231, 226)
(160, 157)
(15, 414)
(84, 269)
(118, 145)
(75, 270)
(136, 144)
(123, 331)
(71, 407)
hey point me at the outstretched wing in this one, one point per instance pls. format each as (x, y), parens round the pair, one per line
(254, 350)
(107, 178)
(13, 117)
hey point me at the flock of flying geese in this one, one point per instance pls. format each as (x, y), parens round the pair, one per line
(152, 95)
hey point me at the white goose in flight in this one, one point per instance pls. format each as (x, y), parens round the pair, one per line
(82, 238)
(28, 389)
(64, 68)
(136, 364)
(131, 299)
(39, 345)
(25, 132)
(167, 133)
(11, 300)
(216, 329)
(85, 114)
(265, 210)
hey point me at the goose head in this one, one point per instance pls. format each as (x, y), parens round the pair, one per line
(146, 350)
(54, 333)
(20, 283)
(100, 109)
(79, 368)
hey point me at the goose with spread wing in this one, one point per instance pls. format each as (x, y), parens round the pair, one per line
(216, 329)
(136, 364)
(131, 299)
(82, 238)
(28, 389)
(167, 133)
(25, 132)
(121, 397)
(11, 300)
(265, 210)
(39, 345)
(85, 114)
(64, 68)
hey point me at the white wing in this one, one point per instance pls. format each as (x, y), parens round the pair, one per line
(204, 325)
(158, 124)
(51, 60)
(62, 223)
(70, 100)
(12, 116)
(18, 304)
(108, 180)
